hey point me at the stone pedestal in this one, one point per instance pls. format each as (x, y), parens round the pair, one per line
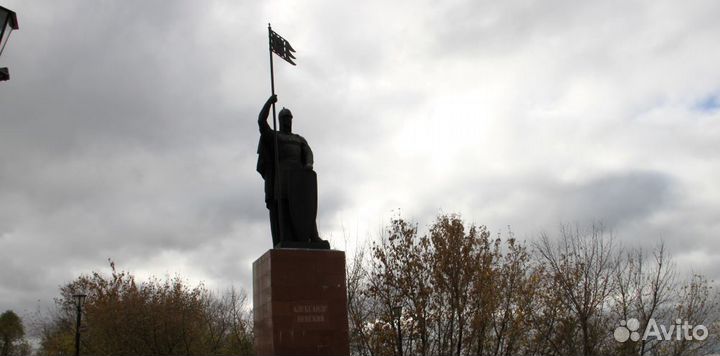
(300, 303)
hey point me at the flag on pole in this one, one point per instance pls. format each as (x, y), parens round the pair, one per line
(281, 47)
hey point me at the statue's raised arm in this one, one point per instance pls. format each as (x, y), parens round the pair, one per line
(264, 113)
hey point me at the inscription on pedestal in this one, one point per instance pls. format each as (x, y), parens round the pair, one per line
(310, 313)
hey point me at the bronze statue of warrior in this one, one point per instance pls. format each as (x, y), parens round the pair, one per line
(290, 193)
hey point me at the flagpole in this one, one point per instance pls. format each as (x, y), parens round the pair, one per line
(277, 185)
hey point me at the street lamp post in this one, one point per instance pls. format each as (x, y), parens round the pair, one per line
(8, 23)
(79, 299)
(398, 317)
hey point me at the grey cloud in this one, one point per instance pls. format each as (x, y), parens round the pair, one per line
(531, 205)
(128, 129)
(616, 199)
(114, 144)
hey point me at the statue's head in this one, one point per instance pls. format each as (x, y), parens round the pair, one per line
(285, 120)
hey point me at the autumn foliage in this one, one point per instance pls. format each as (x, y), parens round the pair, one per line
(457, 290)
(156, 317)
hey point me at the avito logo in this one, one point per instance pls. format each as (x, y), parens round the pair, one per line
(681, 330)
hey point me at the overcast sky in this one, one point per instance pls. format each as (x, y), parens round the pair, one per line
(128, 128)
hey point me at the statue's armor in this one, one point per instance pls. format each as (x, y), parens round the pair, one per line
(293, 151)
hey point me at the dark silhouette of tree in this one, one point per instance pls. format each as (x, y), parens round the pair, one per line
(12, 335)
(581, 266)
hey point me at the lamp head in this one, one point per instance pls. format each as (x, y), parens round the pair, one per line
(8, 23)
(80, 298)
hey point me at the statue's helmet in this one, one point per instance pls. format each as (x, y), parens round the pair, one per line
(285, 112)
